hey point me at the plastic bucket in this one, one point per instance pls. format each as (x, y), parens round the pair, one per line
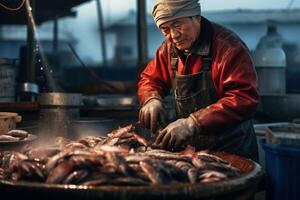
(283, 172)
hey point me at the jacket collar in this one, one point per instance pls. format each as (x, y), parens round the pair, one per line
(202, 45)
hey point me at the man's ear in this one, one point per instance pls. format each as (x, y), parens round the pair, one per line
(198, 18)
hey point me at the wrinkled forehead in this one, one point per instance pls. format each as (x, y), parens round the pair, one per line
(181, 20)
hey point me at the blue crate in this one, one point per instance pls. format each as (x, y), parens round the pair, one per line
(283, 172)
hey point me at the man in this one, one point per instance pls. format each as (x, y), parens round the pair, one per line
(213, 80)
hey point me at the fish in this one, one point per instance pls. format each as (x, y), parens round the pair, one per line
(168, 155)
(22, 134)
(76, 177)
(192, 175)
(153, 175)
(119, 162)
(9, 138)
(119, 132)
(60, 172)
(124, 158)
(212, 176)
(41, 153)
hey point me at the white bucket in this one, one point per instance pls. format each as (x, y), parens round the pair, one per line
(7, 80)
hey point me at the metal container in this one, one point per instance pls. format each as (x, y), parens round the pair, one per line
(111, 101)
(270, 62)
(91, 127)
(117, 103)
(8, 121)
(59, 99)
(271, 80)
(7, 80)
(56, 110)
(27, 92)
(242, 187)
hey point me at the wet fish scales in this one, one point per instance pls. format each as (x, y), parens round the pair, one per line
(119, 162)
(9, 138)
(76, 177)
(60, 172)
(153, 175)
(192, 175)
(22, 134)
(119, 132)
(41, 153)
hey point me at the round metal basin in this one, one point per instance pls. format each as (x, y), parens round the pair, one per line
(91, 127)
(242, 187)
(111, 101)
(59, 99)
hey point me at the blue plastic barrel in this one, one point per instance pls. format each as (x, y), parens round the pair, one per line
(283, 172)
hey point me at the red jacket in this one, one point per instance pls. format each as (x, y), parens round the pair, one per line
(233, 75)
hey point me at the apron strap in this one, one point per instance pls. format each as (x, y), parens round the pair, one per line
(174, 67)
(207, 61)
(174, 62)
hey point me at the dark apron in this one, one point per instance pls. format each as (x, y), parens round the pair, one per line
(196, 91)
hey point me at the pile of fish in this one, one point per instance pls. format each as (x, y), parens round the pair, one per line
(15, 135)
(122, 158)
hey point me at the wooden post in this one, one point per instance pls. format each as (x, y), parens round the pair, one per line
(102, 32)
(142, 35)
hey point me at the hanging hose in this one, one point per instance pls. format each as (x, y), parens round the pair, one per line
(13, 9)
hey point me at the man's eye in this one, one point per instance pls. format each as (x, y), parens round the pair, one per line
(177, 26)
(165, 31)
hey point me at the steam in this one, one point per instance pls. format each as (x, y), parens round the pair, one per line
(51, 85)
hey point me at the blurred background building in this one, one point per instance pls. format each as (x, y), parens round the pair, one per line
(94, 41)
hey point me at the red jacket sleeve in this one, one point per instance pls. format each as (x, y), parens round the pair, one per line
(155, 79)
(235, 81)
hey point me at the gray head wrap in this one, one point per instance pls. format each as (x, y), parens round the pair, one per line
(167, 10)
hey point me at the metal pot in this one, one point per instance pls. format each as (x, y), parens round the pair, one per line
(91, 126)
(8, 121)
(111, 101)
(56, 110)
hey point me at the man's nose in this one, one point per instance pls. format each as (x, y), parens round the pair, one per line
(174, 33)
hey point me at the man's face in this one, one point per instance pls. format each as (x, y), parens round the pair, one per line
(182, 32)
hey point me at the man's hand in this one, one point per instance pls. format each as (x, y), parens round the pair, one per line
(152, 113)
(176, 134)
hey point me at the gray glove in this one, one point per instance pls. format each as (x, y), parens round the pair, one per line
(176, 134)
(151, 114)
